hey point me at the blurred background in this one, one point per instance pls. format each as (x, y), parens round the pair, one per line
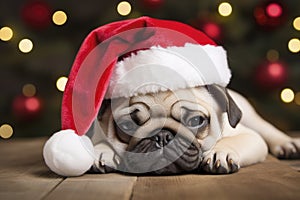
(39, 41)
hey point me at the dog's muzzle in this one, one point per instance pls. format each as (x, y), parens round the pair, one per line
(164, 152)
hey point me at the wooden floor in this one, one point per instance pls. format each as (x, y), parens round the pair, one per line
(23, 175)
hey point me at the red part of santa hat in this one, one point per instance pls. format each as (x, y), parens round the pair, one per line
(96, 72)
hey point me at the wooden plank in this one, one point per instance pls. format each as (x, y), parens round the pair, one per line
(23, 174)
(95, 186)
(26, 188)
(268, 180)
(295, 164)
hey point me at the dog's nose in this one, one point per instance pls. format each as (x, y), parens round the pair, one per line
(162, 138)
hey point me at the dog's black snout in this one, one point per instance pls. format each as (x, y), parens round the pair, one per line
(163, 137)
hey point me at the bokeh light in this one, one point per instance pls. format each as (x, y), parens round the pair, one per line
(61, 83)
(274, 10)
(59, 17)
(275, 70)
(25, 45)
(6, 33)
(212, 30)
(272, 55)
(29, 90)
(287, 95)
(32, 104)
(36, 13)
(6, 131)
(296, 23)
(124, 8)
(294, 45)
(225, 9)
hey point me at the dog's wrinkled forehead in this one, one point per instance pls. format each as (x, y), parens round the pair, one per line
(165, 100)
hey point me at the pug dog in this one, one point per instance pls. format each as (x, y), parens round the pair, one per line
(203, 129)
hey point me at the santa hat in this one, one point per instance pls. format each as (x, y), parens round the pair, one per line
(124, 59)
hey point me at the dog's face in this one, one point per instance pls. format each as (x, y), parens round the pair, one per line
(168, 132)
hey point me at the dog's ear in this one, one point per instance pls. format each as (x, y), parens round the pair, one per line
(226, 103)
(105, 104)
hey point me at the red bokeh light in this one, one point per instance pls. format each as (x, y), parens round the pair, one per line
(271, 75)
(26, 108)
(32, 104)
(275, 70)
(274, 10)
(271, 14)
(36, 14)
(212, 30)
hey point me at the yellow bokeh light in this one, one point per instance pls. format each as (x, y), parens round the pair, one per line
(294, 45)
(29, 90)
(297, 98)
(296, 23)
(225, 9)
(272, 55)
(25, 45)
(61, 83)
(59, 17)
(6, 131)
(287, 95)
(124, 8)
(6, 33)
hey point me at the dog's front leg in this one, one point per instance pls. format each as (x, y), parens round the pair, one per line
(106, 159)
(242, 148)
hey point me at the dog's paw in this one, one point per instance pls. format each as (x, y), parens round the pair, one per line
(107, 160)
(289, 149)
(105, 165)
(220, 162)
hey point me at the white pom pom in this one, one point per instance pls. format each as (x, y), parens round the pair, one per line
(68, 154)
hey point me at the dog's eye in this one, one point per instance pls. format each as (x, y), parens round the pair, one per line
(127, 125)
(196, 122)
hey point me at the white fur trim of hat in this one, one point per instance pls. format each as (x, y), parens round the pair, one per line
(160, 69)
